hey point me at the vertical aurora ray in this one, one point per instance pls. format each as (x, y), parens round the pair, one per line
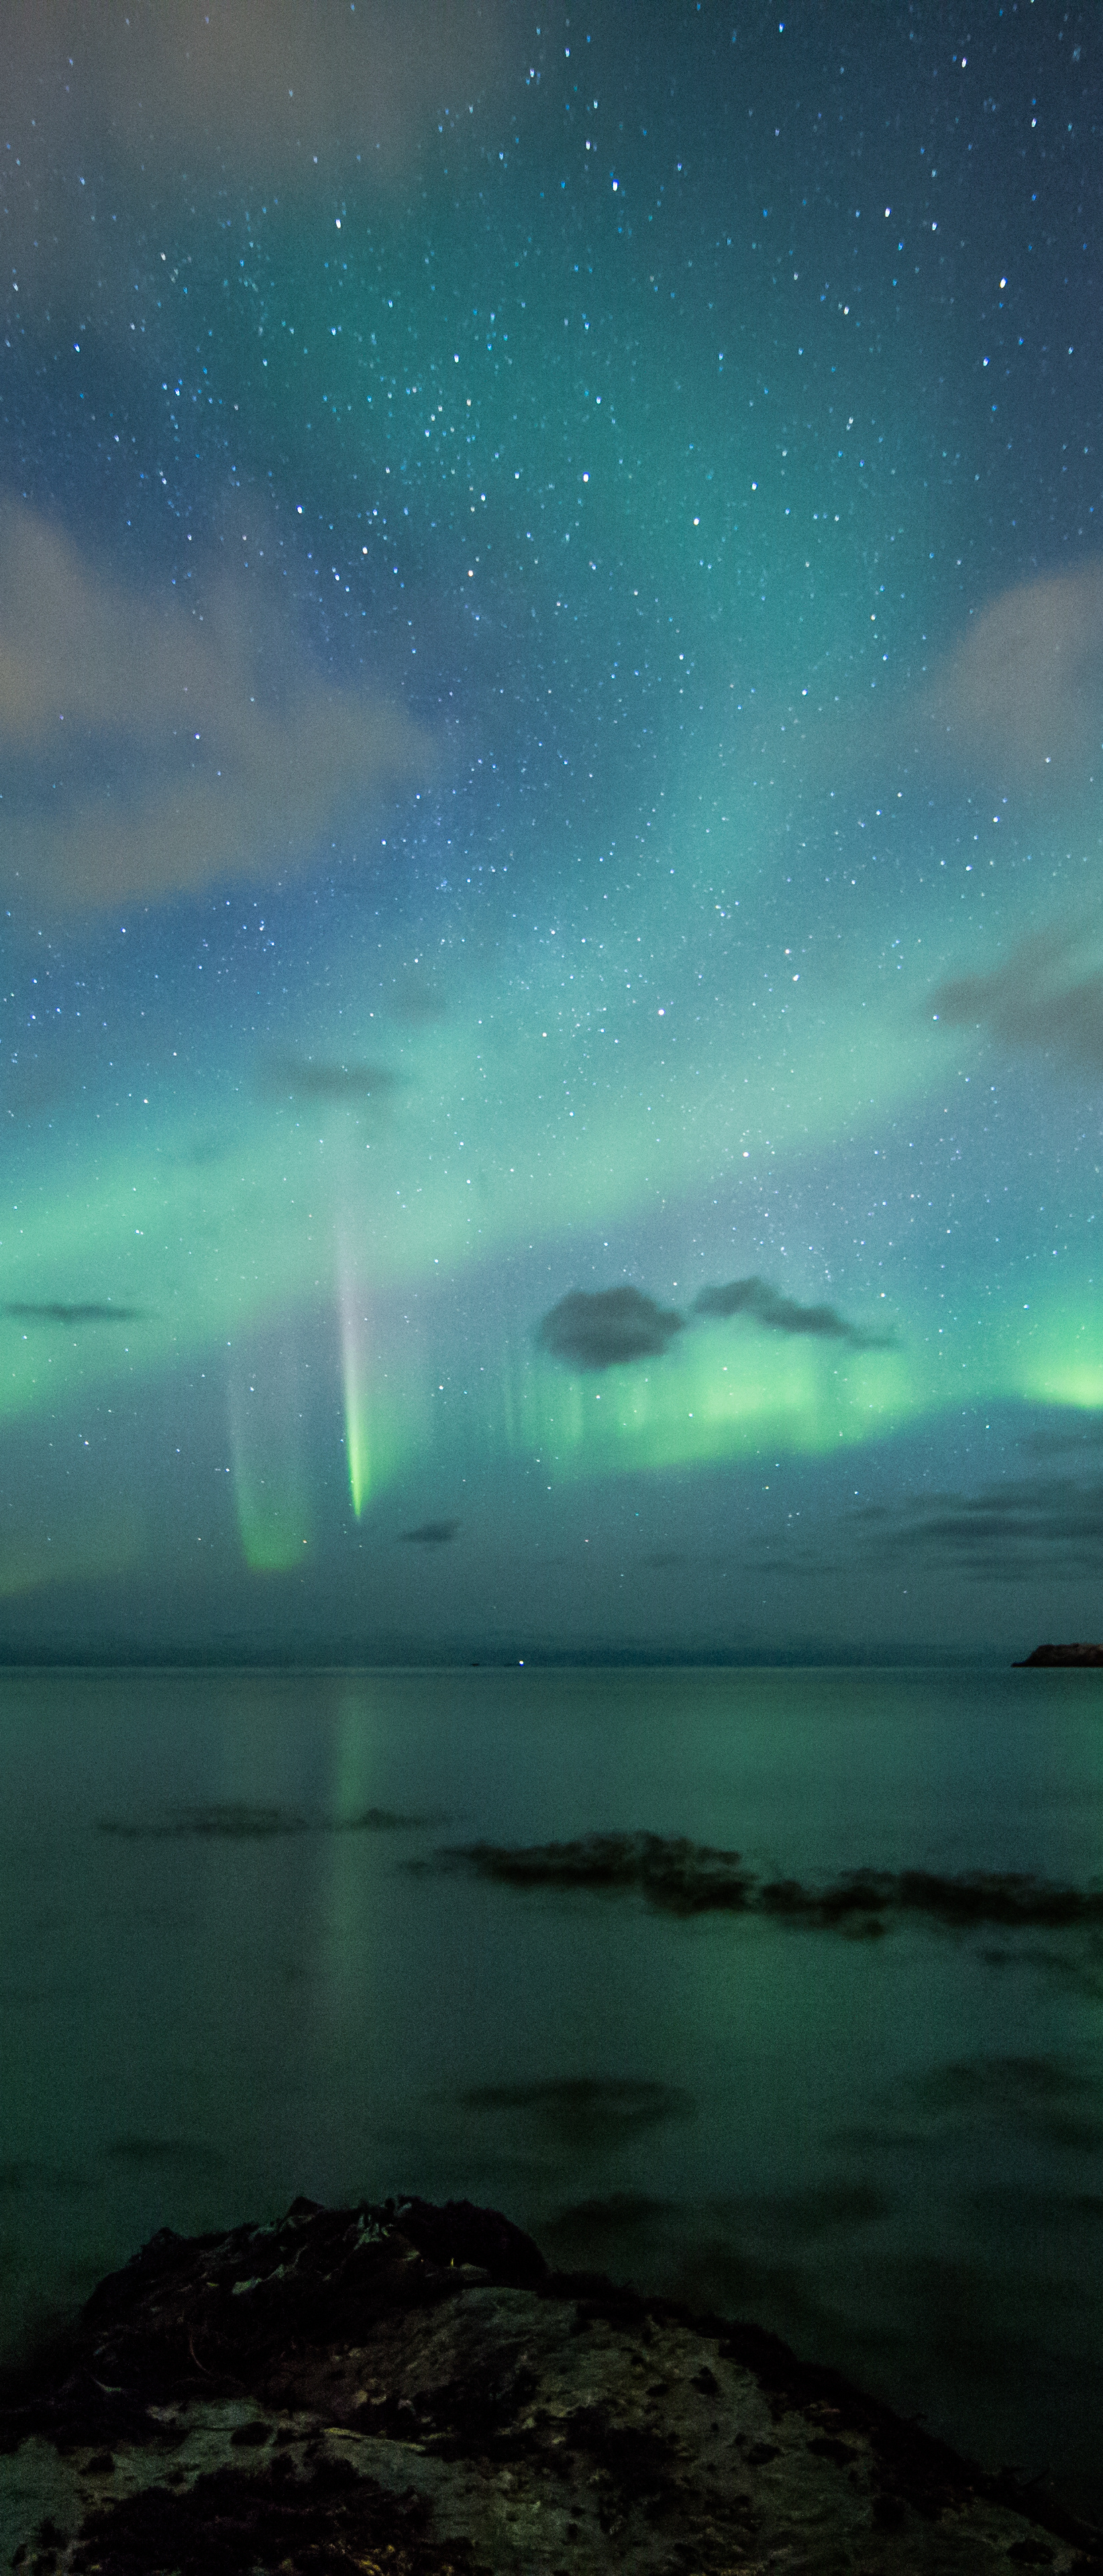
(354, 1375)
(266, 1439)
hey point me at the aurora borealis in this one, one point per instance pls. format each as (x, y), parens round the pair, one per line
(551, 710)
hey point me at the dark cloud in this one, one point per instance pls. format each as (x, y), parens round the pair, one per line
(676, 1876)
(1047, 998)
(779, 1314)
(603, 1328)
(298, 1077)
(609, 1326)
(431, 1534)
(48, 1310)
(1005, 1531)
(1077, 1433)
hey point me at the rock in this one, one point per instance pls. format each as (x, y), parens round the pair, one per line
(1050, 1655)
(411, 2389)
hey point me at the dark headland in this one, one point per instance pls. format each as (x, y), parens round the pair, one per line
(410, 2390)
(1075, 1656)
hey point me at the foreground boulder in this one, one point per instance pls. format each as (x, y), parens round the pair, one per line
(410, 2389)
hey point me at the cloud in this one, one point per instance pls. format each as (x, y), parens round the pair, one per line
(158, 742)
(610, 1326)
(91, 1555)
(603, 1329)
(300, 1078)
(1048, 996)
(30, 1088)
(1024, 689)
(779, 1314)
(52, 1311)
(1080, 1431)
(1005, 1531)
(419, 1001)
(431, 1534)
(264, 92)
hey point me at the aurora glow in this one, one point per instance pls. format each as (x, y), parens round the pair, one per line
(356, 1395)
(551, 689)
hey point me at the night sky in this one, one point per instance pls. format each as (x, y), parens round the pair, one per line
(551, 730)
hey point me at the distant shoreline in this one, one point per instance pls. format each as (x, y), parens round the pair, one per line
(116, 1655)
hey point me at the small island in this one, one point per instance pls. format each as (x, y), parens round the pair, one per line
(1075, 1656)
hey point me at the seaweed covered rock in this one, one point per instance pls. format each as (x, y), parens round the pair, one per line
(407, 2388)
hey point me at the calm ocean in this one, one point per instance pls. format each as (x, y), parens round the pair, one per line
(222, 1983)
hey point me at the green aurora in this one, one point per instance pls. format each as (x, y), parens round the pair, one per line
(551, 729)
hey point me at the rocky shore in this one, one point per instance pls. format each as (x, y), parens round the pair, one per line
(405, 2390)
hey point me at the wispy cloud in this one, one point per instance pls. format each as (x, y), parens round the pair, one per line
(778, 1314)
(1005, 1531)
(156, 743)
(1047, 997)
(92, 1554)
(52, 1310)
(431, 1534)
(297, 100)
(304, 1078)
(419, 1000)
(1024, 690)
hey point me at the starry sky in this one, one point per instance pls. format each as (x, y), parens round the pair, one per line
(551, 729)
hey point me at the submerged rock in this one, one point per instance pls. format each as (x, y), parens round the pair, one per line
(675, 1876)
(411, 2389)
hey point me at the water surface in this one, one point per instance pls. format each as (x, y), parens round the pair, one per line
(222, 1982)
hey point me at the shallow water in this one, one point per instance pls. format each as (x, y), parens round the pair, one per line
(221, 1983)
